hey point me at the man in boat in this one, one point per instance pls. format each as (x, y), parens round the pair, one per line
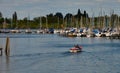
(77, 46)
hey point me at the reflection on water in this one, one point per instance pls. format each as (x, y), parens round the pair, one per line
(4, 64)
(7, 64)
(50, 54)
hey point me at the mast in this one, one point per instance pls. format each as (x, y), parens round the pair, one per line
(28, 19)
(40, 23)
(11, 23)
(58, 23)
(46, 23)
(81, 22)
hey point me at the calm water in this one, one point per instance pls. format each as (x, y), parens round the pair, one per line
(36, 53)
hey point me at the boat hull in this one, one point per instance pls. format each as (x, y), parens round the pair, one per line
(75, 50)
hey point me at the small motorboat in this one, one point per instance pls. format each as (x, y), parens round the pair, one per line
(76, 49)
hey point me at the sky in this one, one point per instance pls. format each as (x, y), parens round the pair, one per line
(36, 8)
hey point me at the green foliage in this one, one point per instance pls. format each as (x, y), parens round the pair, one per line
(58, 21)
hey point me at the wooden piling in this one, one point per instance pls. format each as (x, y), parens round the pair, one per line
(7, 48)
(0, 51)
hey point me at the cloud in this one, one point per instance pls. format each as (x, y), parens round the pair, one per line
(118, 0)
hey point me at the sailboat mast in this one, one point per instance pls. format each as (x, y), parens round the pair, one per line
(58, 22)
(28, 21)
(40, 23)
(81, 22)
(46, 23)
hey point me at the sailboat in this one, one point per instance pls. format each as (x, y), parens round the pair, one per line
(28, 30)
(40, 26)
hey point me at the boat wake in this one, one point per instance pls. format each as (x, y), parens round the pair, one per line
(48, 54)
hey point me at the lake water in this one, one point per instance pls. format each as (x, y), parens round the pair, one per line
(49, 53)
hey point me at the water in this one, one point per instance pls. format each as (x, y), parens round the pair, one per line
(47, 53)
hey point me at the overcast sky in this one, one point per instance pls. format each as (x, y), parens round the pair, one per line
(35, 8)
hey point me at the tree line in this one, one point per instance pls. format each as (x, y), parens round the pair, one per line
(80, 19)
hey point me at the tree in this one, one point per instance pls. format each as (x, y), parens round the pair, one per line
(59, 17)
(1, 19)
(15, 19)
(58, 14)
(68, 19)
(15, 16)
(79, 14)
(68, 15)
(51, 19)
(0, 15)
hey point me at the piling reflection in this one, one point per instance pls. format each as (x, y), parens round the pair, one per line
(7, 64)
(4, 64)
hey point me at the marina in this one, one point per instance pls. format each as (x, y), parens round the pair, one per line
(58, 36)
(49, 53)
(71, 32)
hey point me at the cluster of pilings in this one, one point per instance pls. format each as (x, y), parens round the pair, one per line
(7, 48)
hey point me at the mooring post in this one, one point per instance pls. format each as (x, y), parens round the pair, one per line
(0, 51)
(7, 48)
